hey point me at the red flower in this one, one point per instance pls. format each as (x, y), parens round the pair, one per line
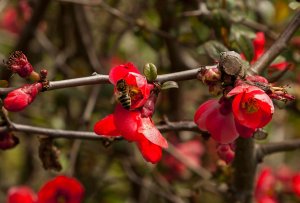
(8, 140)
(259, 49)
(251, 106)
(18, 63)
(20, 98)
(133, 125)
(265, 187)
(21, 194)
(61, 189)
(216, 117)
(296, 184)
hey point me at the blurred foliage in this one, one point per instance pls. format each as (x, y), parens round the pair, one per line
(76, 40)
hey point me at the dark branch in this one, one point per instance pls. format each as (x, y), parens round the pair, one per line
(271, 148)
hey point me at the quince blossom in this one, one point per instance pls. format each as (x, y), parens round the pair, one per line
(132, 124)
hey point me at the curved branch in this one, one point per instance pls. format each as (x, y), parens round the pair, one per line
(271, 148)
(262, 63)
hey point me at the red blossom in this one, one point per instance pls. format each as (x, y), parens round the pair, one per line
(296, 184)
(61, 189)
(216, 117)
(8, 140)
(251, 106)
(259, 49)
(265, 186)
(18, 63)
(20, 98)
(21, 194)
(133, 125)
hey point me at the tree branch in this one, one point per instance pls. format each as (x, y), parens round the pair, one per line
(271, 148)
(103, 79)
(262, 63)
(70, 134)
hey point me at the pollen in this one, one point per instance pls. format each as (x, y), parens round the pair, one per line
(250, 105)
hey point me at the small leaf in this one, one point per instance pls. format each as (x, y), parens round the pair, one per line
(3, 83)
(245, 45)
(213, 49)
(150, 71)
(169, 84)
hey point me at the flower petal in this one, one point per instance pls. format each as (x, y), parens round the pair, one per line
(151, 152)
(221, 127)
(259, 45)
(148, 129)
(243, 131)
(127, 123)
(203, 111)
(106, 126)
(120, 71)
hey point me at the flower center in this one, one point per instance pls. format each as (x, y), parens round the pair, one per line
(61, 199)
(250, 105)
(135, 93)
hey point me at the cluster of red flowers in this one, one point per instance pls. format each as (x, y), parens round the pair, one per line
(269, 184)
(133, 124)
(60, 189)
(244, 107)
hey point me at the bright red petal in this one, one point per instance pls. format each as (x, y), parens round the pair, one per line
(279, 66)
(21, 194)
(148, 129)
(259, 45)
(221, 127)
(151, 152)
(107, 126)
(203, 111)
(127, 123)
(121, 71)
(243, 131)
(244, 88)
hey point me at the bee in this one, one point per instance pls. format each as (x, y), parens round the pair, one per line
(123, 95)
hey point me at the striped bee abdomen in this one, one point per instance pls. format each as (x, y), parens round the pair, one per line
(123, 94)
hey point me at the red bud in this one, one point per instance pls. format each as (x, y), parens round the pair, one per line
(20, 98)
(8, 140)
(19, 64)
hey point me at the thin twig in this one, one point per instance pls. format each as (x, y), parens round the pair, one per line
(70, 134)
(277, 47)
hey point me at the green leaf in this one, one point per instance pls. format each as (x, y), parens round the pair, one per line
(169, 84)
(213, 49)
(150, 71)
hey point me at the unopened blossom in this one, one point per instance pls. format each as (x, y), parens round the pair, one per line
(226, 152)
(133, 123)
(20, 98)
(21, 194)
(8, 140)
(61, 189)
(18, 63)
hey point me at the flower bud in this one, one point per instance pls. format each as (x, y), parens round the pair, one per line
(226, 152)
(19, 64)
(20, 98)
(8, 140)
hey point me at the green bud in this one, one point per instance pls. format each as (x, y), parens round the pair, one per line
(150, 72)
